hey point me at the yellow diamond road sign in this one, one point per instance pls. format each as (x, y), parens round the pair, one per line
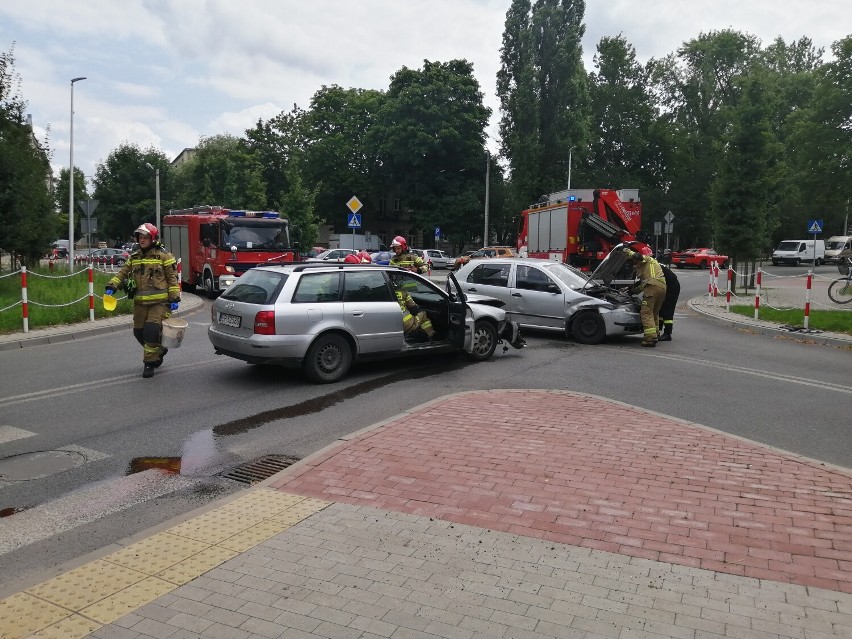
(354, 204)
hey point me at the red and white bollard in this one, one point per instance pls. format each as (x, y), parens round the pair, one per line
(808, 298)
(728, 291)
(91, 293)
(757, 294)
(25, 309)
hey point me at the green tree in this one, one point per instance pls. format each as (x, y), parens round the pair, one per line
(297, 205)
(125, 190)
(27, 218)
(430, 137)
(81, 192)
(223, 171)
(543, 91)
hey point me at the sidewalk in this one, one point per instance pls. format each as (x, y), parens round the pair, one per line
(467, 517)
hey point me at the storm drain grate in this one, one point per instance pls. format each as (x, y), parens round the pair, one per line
(259, 469)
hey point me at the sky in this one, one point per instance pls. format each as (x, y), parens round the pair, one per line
(165, 73)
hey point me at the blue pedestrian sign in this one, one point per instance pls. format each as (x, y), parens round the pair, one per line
(814, 226)
(437, 232)
(354, 221)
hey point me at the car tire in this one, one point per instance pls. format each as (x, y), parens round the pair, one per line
(485, 341)
(798, 262)
(818, 262)
(328, 359)
(588, 327)
(703, 264)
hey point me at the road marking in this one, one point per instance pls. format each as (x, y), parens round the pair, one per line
(804, 381)
(10, 434)
(98, 383)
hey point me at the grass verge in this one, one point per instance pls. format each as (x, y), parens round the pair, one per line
(51, 296)
(833, 321)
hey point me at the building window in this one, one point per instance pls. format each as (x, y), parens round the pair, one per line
(396, 205)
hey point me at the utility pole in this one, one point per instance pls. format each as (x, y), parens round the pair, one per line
(487, 181)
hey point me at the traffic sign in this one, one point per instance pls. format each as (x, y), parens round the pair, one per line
(354, 221)
(437, 232)
(814, 226)
(668, 217)
(354, 205)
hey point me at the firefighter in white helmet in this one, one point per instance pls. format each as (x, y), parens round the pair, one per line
(150, 278)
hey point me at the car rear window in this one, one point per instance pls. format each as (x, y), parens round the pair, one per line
(256, 287)
(490, 274)
(317, 287)
(366, 286)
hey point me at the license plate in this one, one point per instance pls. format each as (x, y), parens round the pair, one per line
(229, 320)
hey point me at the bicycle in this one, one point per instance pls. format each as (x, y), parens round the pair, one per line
(840, 290)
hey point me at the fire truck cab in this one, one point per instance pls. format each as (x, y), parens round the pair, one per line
(216, 245)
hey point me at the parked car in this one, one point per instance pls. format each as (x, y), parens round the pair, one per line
(381, 257)
(486, 252)
(437, 258)
(322, 317)
(332, 255)
(107, 257)
(699, 258)
(549, 295)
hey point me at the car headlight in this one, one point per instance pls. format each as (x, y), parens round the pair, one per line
(225, 282)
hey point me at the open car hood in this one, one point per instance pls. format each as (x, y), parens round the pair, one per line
(607, 270)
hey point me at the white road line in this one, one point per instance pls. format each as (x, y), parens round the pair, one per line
(804, 381)
(10, 434)
(98, 383)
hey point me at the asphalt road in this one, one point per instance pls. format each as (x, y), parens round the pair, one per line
(211, 413)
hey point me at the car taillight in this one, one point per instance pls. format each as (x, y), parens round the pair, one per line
(264, 323)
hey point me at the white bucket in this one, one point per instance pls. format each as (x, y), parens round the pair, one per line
(173, 330)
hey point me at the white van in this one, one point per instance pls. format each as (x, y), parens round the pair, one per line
(834, 245)
(797, 251)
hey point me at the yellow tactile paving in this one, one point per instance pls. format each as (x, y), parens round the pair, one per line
(185, 571)
(253, 536)
(156, 553)
(119, 604)
(73, 627)
(22, 614)
(109, 588)
(87, 584)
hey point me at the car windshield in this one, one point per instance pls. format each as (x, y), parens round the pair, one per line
(566, 274)
(255, 234)
(788, 246)
(256, 286)
(833, 246)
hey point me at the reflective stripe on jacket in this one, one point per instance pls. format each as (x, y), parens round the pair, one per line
(409, 260)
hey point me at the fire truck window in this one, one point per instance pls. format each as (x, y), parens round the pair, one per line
(490, 275)
(532, 279)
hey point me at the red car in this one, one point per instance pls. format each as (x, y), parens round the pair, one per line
(699, 258)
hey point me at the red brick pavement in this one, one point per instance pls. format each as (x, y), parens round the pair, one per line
(585, 471)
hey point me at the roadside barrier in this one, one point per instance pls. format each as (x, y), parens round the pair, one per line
(25, 302)
(760, 291)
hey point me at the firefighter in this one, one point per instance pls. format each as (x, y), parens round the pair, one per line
(150, 278)
(652, 284)
(668, 308)
(404, 259)
(413, 318)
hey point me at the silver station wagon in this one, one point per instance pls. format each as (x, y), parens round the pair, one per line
(549, 295)
(322, 317)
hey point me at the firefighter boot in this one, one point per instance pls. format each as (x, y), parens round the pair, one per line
(148, 371)
(665, 337)
(159, 362)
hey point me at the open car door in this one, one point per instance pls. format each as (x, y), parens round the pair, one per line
(460, 320)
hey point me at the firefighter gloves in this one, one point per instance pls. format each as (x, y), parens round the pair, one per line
(173, 306)
(109, 290)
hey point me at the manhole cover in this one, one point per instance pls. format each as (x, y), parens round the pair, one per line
(39, 464)
(259, 469)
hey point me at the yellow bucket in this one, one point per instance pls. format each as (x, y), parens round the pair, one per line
(173, 330)
(109, 303)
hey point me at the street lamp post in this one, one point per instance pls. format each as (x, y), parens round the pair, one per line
(71, 184)
(570, 151)
(157, 190)
(487, 180)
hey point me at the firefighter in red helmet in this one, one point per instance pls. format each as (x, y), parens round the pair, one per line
(404, 259)
(652, 284)
(150, 278)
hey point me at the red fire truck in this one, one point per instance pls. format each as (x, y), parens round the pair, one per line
(580, 226)
(216, 245)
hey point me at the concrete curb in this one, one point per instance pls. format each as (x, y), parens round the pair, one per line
(718, 315)
(67, 332)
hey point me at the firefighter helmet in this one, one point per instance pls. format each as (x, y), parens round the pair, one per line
(399, 241)
(364, 257)
(351, 259)
(148, 229)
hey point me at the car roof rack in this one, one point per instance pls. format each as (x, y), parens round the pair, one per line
(313, 265)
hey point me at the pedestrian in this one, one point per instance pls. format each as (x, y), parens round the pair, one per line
(652, 284)
(403, 258)
(150, 278)
(668, 308)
